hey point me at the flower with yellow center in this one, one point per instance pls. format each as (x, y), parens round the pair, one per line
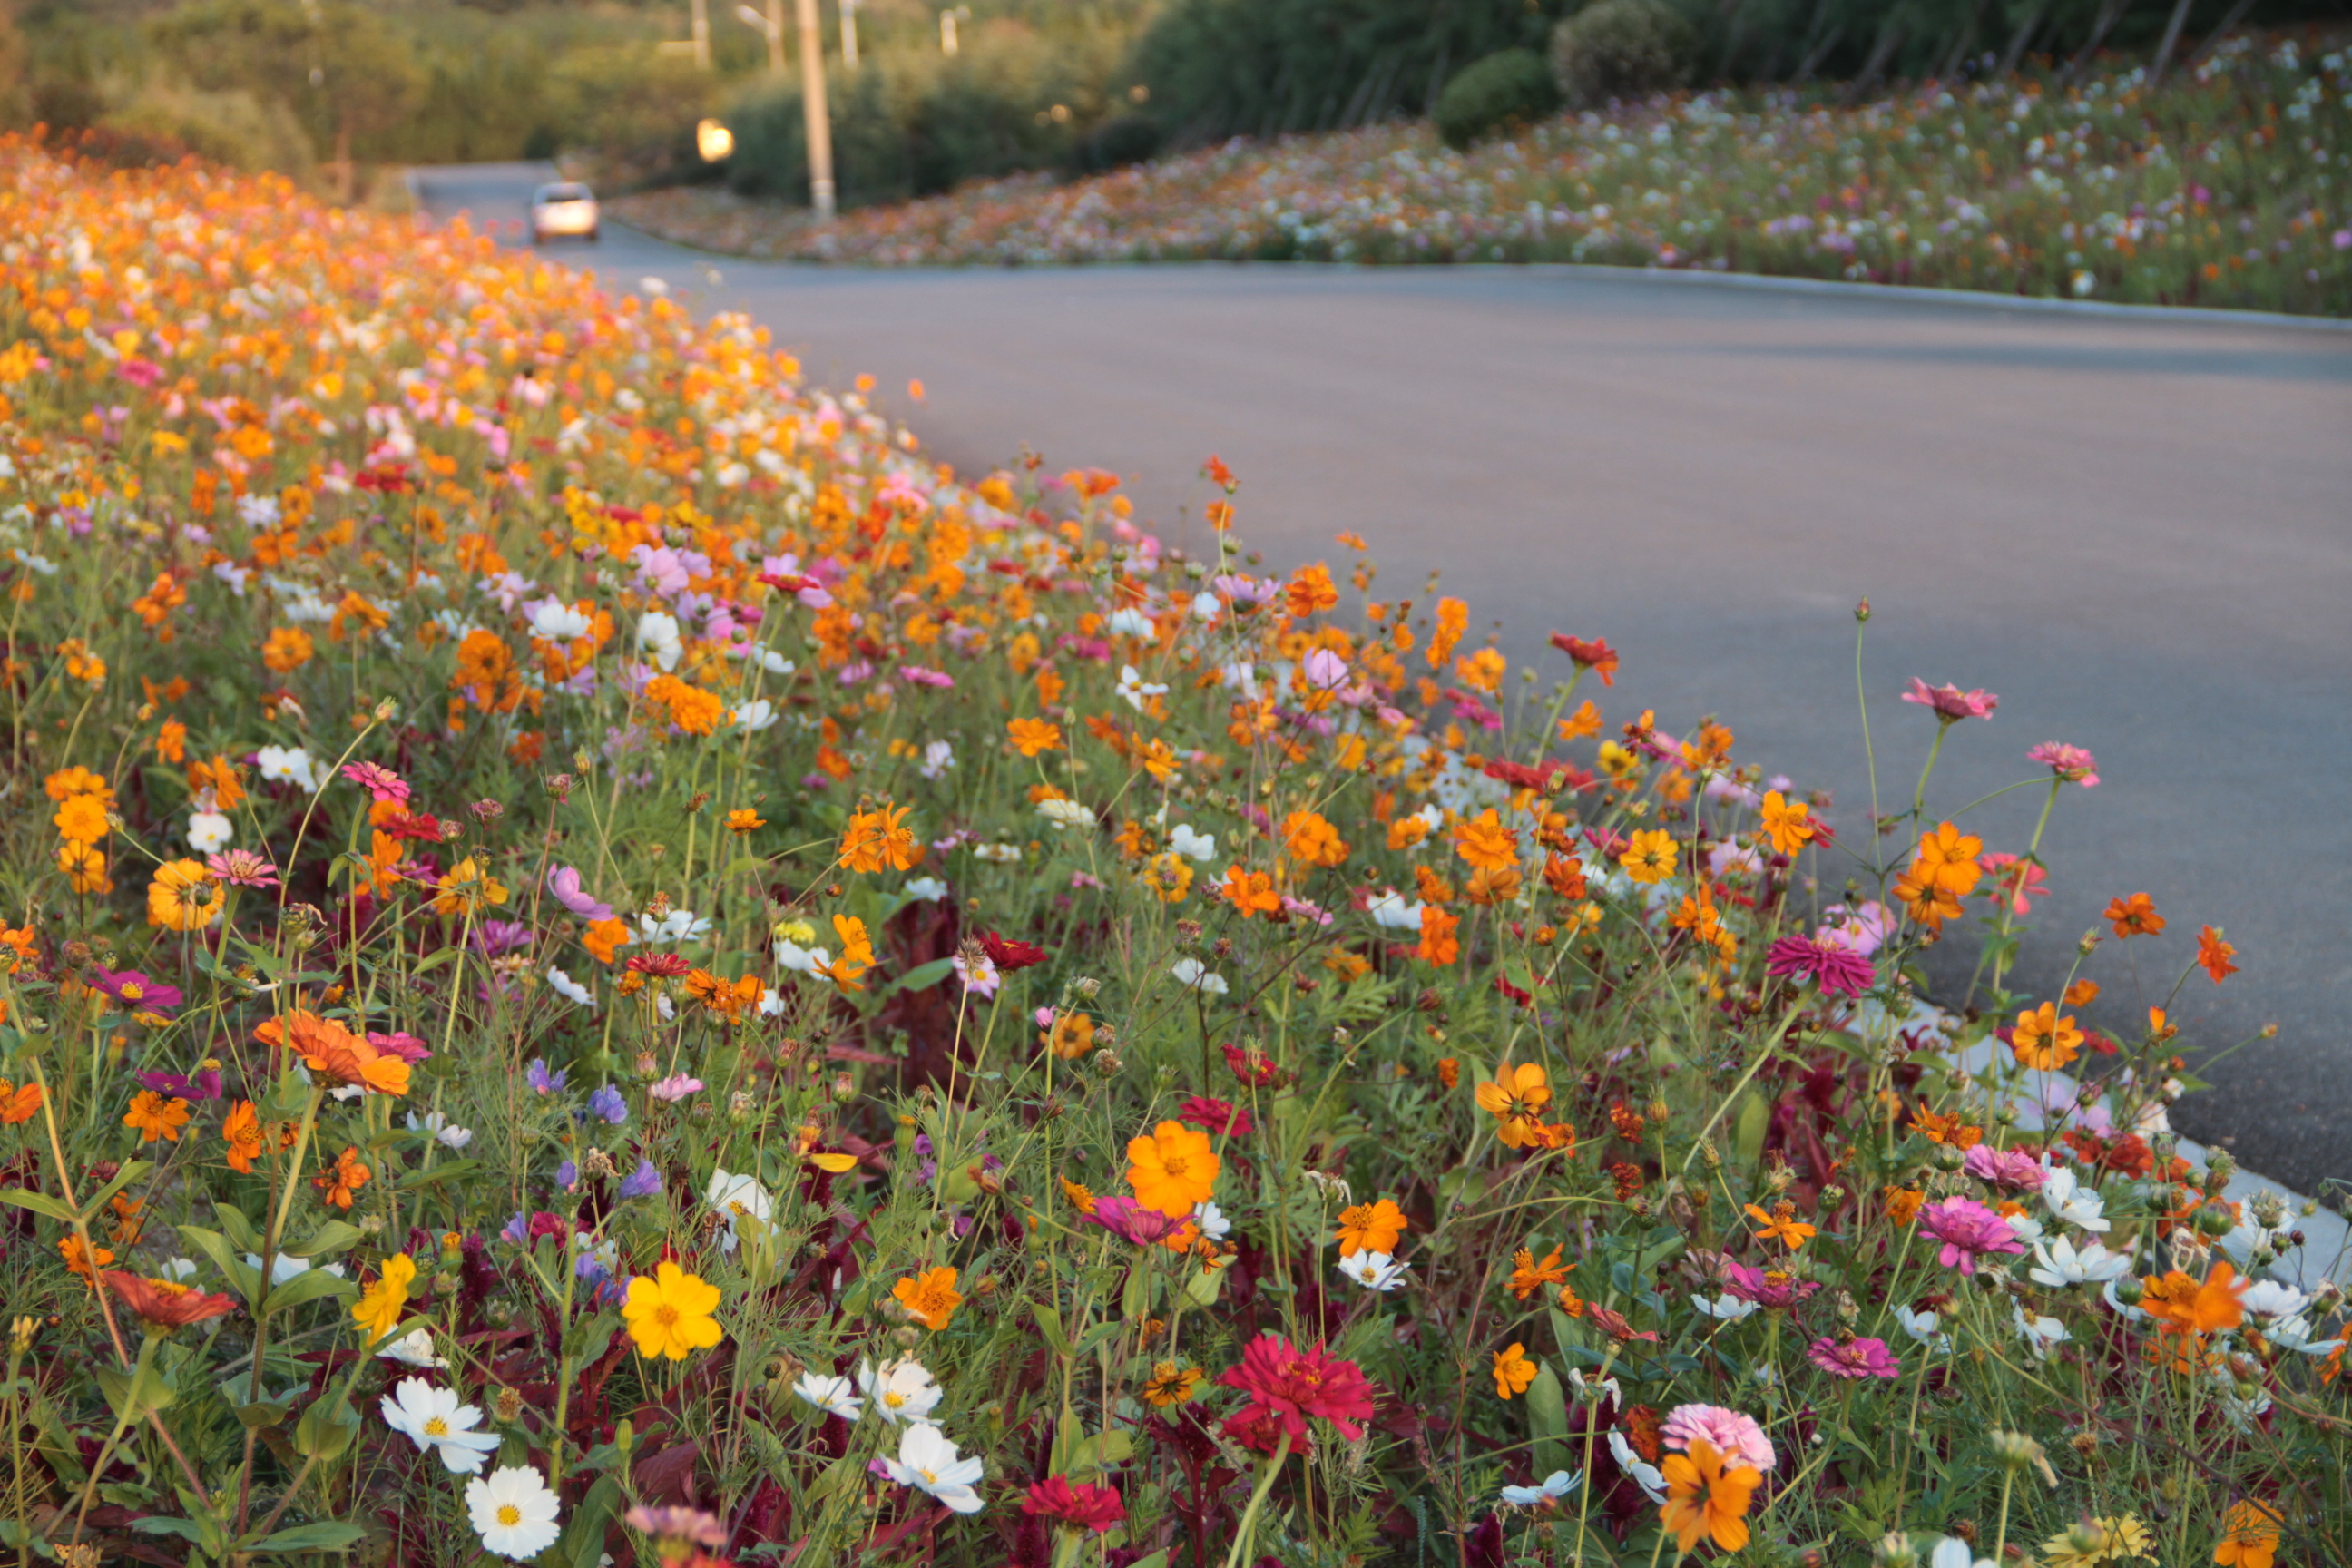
(2044, 1041)
(1513, 1371)
(1173, 1170)
(669, 1314)
(1649, 856)
(1516, 1099)
(930, 1298)
(183, 896)
(381, 1303)
(1706, 1496)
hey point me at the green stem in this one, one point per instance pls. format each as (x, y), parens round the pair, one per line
(1247, 1528)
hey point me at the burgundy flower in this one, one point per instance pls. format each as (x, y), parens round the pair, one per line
(1969, 1231)
(1856, 1358)
(1952, 704)
(1291, 1383)
(1082, 1503)
(1009, 955)
(1210, 1115)
(135, 991)
(1130, 1221)
(1838, 970)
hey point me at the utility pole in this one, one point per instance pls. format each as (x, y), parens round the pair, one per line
(702, 33)
(820, 123)
(772, 28)
(850, 34)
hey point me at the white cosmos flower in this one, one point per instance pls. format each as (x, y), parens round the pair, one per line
(1925, 1327)
(807, 960)
(1130, 622)
(2073, 1201)
(555, 621)
(1377, 1271)
(2268, 1298)
(1727, 1307)
(2057, 1264)
(1192, 846)
(755, 716)
(1951, 1552)
(1205, 606)
(570, 990)
(2045, 1334)
(287, 764)
(679, 925)
(414, 1348)
(1196, 974)
(925, 889)
(1212, 1220)
(1556, 1485)
(901, 1390)
(939, 757)
(927, 1460)
(2114, 1303)
(1065, 814)
(738, 1195)
(432, 1418)
(2295, 1334)
(432, 1121)
(209, 832)
(835, 1395)
(1395, 910)
(513, 1512)
(657, 635)
(1135, 689)
(1647, 1476)
(282, 1267)
(1598, 1387)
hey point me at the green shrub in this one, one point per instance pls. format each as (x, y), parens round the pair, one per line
(1120, 141)
(1503, 91)
(1621, 48)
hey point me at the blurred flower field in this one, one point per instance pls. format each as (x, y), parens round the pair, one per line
(2226, 186)
(603, 962)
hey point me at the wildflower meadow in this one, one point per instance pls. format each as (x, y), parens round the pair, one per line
(603, 962)
(2224, 185)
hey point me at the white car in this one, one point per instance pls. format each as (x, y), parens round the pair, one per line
(562, 211)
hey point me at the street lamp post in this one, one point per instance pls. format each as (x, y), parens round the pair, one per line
(820, 124)
(772, 27)
(702, 33)
(850, 34)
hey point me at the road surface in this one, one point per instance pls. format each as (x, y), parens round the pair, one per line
(2137, 532)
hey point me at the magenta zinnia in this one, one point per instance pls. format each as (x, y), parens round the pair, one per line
(1289, 1383)
(1838, 970)
(1856, 1358)
(1969, 1231)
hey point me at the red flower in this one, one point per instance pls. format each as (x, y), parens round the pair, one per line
(1082, 1503)
(1252, 1066)
(1518, 775)
(1513, 992)
(1614, 1325)
(1009, 955)
(1210, 1115)
(165, 1304)
(1596, 654)
(662, 965)
(1289, 1385)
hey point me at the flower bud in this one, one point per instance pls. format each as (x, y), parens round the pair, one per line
(1862, 613)
(507, 1407)
(2129, 1290)
(2089, 944)
(2215, 1221)
(1893, 1551)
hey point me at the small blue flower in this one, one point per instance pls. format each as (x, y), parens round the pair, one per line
(567, 1176)
(642, 1183)
(607, 1103)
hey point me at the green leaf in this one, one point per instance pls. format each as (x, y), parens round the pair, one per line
(1049, 1323)
(923, 976)
(1755, 1117)
(437, 1174)
(131, 1172)
(335, 1235)
(215, 1246)
(1134, 1299)
(185, 1528)
(1203, 1288)
(1547, 1420)
(583, 1538)
(327, 1535)
(308, 1286)
(132, 1395)
(57, 1209)
(236, 1227)
(326, 1429)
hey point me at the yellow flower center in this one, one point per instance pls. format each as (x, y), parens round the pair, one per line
(510, 1515)
(436, 1428)
(133, 991)
(894, 1400)
(929, 1476)
(1173, 1165)
(665, 1315)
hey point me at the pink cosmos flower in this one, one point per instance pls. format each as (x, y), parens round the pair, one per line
(1839, 971)
(979, 978)
(1952, 704)
(1856, 1358)
(1861, 930)
(1130, 1221)
(675, 1087)
(2072, 764)
(2005, 1168)
(2015, 881)
(564, 882)
(1969, 1231)
(1730, 1434)
(381, 783)
(938, 680)
(1323, 671)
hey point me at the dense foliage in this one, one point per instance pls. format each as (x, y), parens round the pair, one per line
(1510, 91)
(2223, 187)
(605, 961)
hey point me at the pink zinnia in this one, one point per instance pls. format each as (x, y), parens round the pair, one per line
(1728, 1432)
(241, 868)
(1130, 1221)
(1856, 1358)
(1766, 1290)
(381, 783)
(2005, 1168)
(1952, 704)
(1082, 1503)
(1968, 1230)
(2071, 763)
(1839, 971)
(1212, 1115)
(1289, 1385)
(402, 1044)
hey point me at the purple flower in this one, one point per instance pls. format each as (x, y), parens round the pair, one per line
(564, 883)
(642, 1183)
(1856, 1358)
(540, 1079)
(607, 1103)
(1952, 704)
(492, 938)
(2005, 1168)
(1126, 1218)
(1968, 1230)
(2072, 764)
(518, 1230)
(1838, 970)
(135, 991)
(204, 1085)
(567, 1176)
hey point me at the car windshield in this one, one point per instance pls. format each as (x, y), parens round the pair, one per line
(548, 194)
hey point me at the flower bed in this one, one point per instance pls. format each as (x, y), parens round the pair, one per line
(2224, 187)
(609, 963)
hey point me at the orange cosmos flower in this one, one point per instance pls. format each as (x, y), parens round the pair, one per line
(1946, 1128)
(164, 1305)
(1706, 1497)
(348, 1176)
(604, 939)
(2081, 994)
(1485, 843)
(1513, 1371)
(1788, 826)
(1173, 1169)
(2134, 916)
(1528, 1276)
(78, 1259)
(2250, 1536)
(287, 649)
(183, 896)
(84, 865)
(930, 1298)
(2182, 1305)
(856, 952)
(1251, 892)
(1903, 1204)
(878, 841)
(1437, 944)
(242, 1131)
(2044, 1041)
(1783, 1225)
(18, 1104)
(1941, 873)
(1516, 1099)
(2214, 954)
(1372, 1227)
(745, 820)
(1310, 591)
(82, 820)
(156, 1117)
(468, 888)
(1030, 736)
(1449, 1071)
(1650, 855)
(1307, 838)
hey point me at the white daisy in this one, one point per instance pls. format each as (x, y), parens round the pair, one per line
(1556, 1485)
(902, 1390)
(1375, 1272)
(927, 1460)
(432, 1418)
(513, 1512)
(836, 1396)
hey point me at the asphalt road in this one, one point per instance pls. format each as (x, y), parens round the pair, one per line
(2137, 532)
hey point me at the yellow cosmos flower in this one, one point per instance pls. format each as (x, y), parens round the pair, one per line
(669, 1314)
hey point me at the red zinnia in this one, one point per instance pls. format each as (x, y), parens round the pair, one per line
(1252, 1066)
(1212, 1115)
(1009, 955)
(1082, 1503)
(661, 966)
(1289, 1385)
(165, 1304)
(1596, 656)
